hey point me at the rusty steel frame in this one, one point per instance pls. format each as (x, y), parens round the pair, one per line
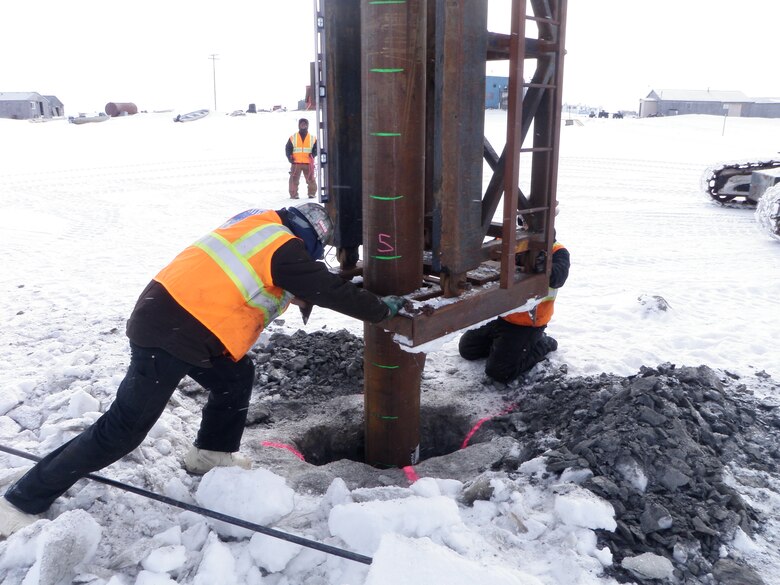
(460, 237)
(402, 92)
(337, 83)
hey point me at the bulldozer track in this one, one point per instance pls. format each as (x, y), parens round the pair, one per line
(730, 183)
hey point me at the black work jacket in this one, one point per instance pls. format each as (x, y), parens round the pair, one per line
(159, 321)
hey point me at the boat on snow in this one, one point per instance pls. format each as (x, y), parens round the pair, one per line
(88, 118)
(196, 115)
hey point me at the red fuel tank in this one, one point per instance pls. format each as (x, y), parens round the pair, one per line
(115, 109)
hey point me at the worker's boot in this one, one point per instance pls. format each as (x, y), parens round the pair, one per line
(548, 344)
(12, 518)
(544, 346)
(199, 461)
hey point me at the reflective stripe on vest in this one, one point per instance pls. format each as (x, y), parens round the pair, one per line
(542, 312)
(224, 279)
(302, 147)
(233, 260)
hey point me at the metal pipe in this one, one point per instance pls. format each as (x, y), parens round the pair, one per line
(393, 40)
(513, 142)
(392, 400)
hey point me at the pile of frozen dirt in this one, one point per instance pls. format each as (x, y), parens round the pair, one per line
(663, 446)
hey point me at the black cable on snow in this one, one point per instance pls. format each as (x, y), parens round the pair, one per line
(313, 544)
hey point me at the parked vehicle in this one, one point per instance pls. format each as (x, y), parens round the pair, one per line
(741, 182)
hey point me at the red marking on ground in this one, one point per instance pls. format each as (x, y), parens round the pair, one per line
(289, 448)
(411, 474)
(482, 421)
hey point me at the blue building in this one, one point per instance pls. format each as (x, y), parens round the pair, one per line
(496, 90)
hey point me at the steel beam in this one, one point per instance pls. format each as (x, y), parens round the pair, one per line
(343, 121)
(456, 116)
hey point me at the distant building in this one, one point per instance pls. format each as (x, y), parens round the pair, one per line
(677, 102)
(764, 108)
(57, 108)
(496, 92)
(19, 105)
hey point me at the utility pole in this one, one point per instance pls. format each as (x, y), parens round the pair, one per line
(213, 58)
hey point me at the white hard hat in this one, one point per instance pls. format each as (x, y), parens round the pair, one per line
(316, 215)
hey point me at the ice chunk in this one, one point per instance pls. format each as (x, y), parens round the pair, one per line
(257, 496)
(218, 564)
(361, 525)
(649, 566)
(580, 507)
(81, 403)
(165, 559)
(271, 553)
(66, 542)
(419, 560)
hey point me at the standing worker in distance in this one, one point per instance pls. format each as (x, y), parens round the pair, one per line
(301, 148)
(515, 343)
(199, 317)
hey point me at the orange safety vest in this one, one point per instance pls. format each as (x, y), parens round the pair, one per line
(542, 313)
(302, 147)
(224, 279)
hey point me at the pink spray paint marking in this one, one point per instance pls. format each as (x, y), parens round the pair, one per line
(482, 421)
(410, 473)
(289, 448)
(384, 246)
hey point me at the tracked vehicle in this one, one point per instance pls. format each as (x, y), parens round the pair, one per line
(739, 183)
(748, 184)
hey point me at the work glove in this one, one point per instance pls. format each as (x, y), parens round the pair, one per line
(393, 303)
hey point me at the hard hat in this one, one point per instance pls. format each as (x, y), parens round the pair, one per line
(318, 218)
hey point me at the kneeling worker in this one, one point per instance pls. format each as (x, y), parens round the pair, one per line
(515, 343)
(199, 317)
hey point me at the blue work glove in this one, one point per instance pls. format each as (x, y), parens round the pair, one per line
(393, 303)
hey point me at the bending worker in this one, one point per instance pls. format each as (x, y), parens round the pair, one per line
(515, 343)
(199, 317)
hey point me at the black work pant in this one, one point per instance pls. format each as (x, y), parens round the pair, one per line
(151, 379)
(510, 349)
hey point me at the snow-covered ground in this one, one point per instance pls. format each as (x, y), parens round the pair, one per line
(88, 214)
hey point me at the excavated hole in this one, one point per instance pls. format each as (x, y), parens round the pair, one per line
(442, 430)
(305, 371)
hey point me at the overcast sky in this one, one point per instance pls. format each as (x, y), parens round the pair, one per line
(157, 54)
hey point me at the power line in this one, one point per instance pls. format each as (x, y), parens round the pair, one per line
(213, 58)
